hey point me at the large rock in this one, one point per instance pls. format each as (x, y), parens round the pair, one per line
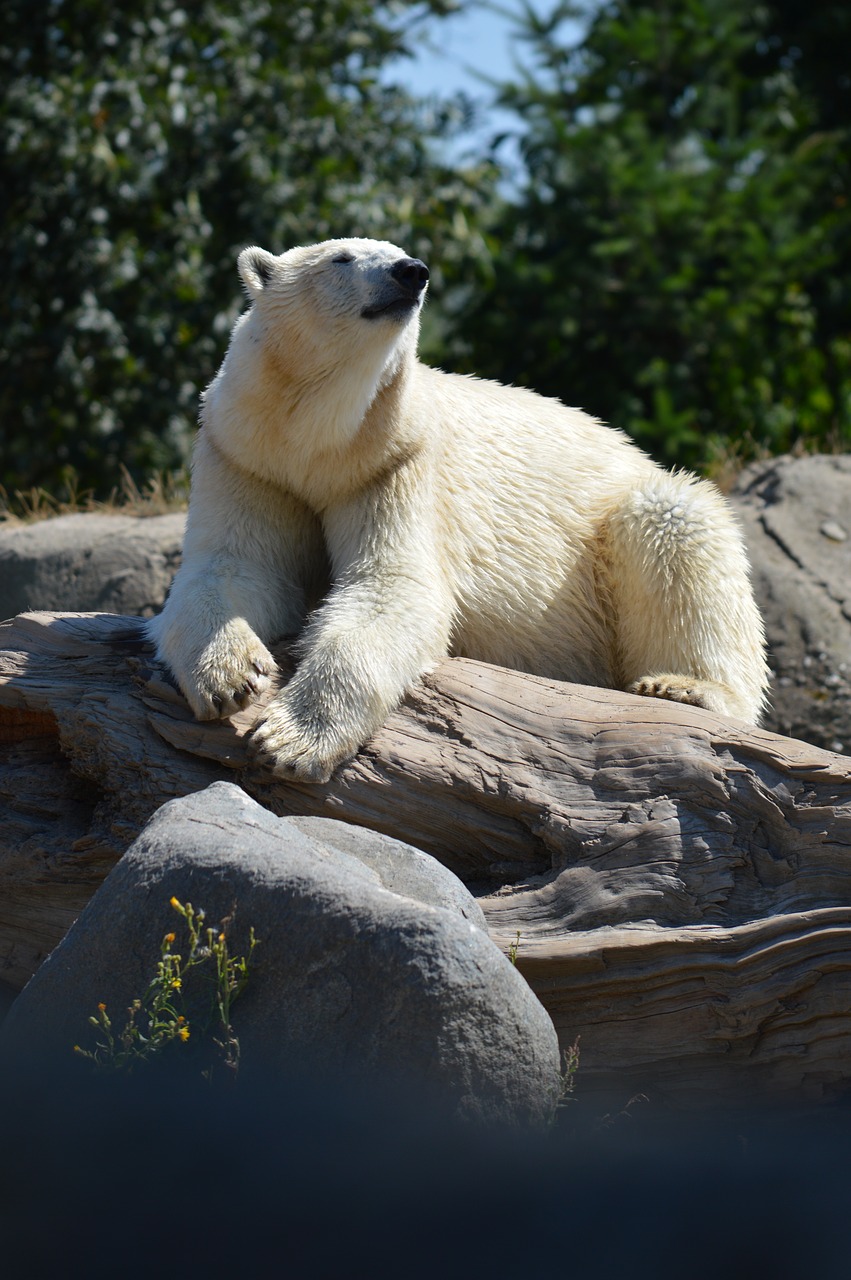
(89, 563)
(399, 867)
(352, 979)
(796, 517)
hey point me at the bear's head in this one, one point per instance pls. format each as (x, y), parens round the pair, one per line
(330, 326)
(343, 295)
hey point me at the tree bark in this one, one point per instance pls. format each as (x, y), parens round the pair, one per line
(680, 883)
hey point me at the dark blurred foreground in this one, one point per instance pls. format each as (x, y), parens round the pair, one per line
(158, 1176)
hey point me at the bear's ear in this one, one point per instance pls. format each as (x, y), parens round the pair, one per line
(256, 268)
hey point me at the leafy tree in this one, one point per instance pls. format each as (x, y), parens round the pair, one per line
(676, 259)
(143, 145)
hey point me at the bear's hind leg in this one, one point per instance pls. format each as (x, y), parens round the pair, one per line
(686, 624)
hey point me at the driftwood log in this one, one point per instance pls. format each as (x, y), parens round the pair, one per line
(680, 884)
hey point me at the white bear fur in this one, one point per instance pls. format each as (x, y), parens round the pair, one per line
(450, 515)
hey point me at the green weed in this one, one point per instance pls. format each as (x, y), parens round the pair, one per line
(170, 1015)
(569, 1068)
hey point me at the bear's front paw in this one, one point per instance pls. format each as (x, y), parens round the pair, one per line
(295, 750)
(228, 676)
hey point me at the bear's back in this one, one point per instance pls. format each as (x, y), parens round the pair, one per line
(524, 487)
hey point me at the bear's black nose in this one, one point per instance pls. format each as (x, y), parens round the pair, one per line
(411, 274)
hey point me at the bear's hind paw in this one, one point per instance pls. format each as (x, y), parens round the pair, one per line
(710, 694)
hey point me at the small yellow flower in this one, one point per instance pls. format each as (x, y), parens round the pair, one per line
(170, 937)
(184, 1033)
(221, 937)
(176, 984)
(178, 906)
(180, 1020)
(102, 1007)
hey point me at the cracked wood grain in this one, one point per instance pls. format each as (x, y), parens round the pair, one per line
(681, 883)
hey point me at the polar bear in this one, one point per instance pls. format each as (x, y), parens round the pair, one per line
(390, 514)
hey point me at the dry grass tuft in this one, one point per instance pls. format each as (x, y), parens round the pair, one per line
(161, 494)
(727, 461)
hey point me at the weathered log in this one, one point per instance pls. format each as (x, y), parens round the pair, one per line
(680, 883)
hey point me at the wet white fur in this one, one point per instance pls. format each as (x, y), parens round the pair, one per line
(453, 515)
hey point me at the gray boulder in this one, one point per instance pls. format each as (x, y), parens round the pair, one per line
(353, 979)
(796, 517)
(89, 563)
(399, 867)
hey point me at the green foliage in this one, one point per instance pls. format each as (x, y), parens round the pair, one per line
(675, 256)
(677, 259)
(144, 144)
(173, 1009)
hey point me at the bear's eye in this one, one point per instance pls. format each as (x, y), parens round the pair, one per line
(343, 257)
